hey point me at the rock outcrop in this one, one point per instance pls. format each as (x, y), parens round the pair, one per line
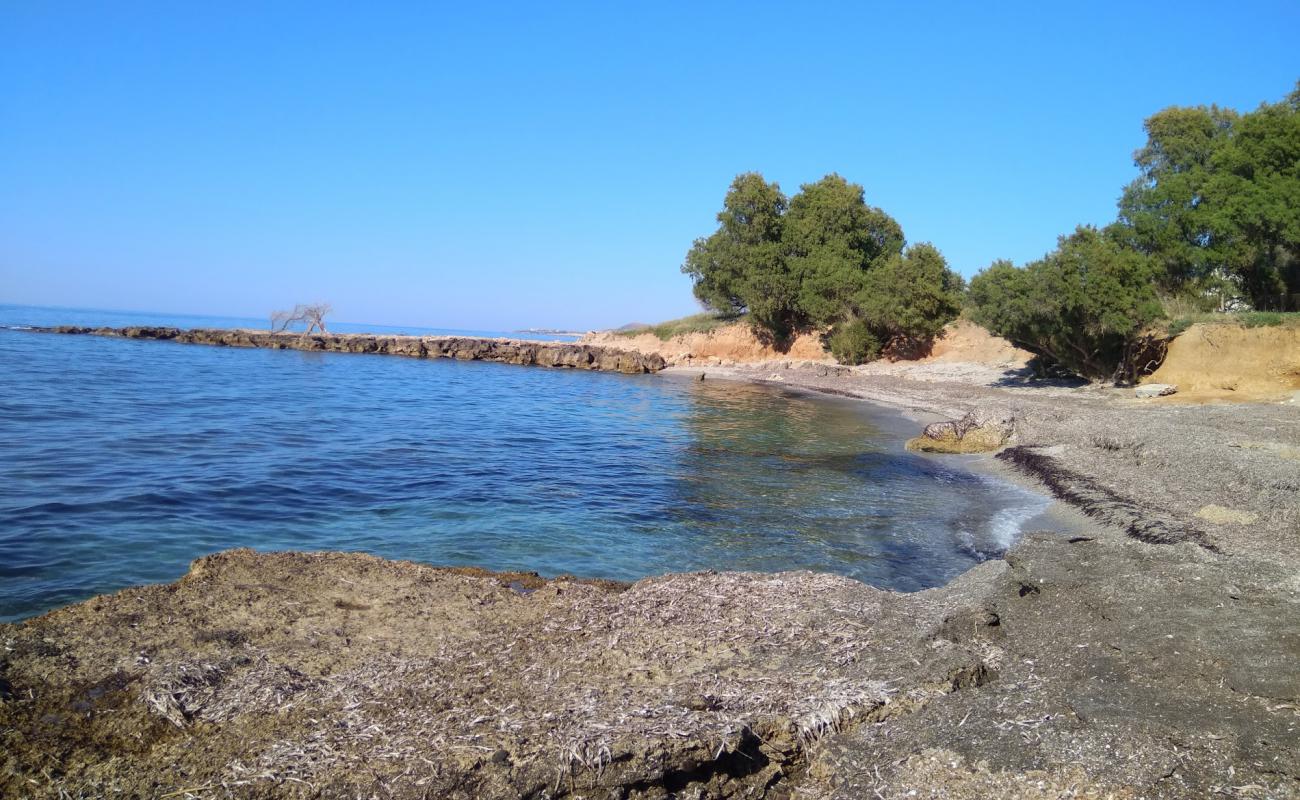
(508, 351)
(980, 431)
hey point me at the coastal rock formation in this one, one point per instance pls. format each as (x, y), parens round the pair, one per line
(980, 431)
(1094, 666)
(345, 675)
(508, 351)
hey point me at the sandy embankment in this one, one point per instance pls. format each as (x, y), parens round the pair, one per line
(730, 344)
(1227, 362)
(961, 344)
(1155, 655)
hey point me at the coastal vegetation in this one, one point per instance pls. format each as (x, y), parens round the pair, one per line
(822, 260)
(1077, 307)
(695, 323)
(1211, 223)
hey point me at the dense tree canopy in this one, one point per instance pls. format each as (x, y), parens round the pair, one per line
(1217, 202)
(832, 241)
(824, 260)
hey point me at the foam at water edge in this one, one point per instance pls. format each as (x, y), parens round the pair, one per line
(1004, 527)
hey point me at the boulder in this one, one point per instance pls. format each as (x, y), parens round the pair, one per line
(1155, 390)
(980, 431)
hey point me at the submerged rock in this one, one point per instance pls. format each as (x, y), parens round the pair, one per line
(980, 431)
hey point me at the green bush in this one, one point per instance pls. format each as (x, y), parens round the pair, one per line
(853, 343)
(911, 297)
(1078, 307)
(1246, 319)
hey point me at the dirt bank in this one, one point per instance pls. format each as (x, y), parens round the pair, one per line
(1155, 655)
(1217, 362)
(961, 342)
(735, 343)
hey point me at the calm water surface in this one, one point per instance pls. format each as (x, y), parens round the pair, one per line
(121, 461)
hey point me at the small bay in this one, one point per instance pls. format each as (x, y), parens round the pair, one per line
(124, 460)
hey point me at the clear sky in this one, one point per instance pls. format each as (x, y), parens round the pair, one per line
(479, 165)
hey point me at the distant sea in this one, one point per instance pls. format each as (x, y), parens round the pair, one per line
(123, 460)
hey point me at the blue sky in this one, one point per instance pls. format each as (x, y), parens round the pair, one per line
(505, 165)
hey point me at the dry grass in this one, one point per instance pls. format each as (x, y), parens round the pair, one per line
(544, 708)
(696, 323)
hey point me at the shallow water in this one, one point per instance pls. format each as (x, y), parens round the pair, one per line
(121, 461)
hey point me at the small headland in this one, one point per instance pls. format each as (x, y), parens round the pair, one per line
(508, 351)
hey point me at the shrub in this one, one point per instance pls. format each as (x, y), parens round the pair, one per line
(1262, 319)
(696, 323)
(910, 297)
(1078, 307)
(853, 343)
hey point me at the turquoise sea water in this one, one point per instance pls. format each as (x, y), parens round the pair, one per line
(121, 461)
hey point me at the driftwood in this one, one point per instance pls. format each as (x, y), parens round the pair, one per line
(313, 315)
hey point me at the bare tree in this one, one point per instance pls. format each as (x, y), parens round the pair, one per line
(313, 315)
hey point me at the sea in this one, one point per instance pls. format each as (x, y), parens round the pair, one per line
(121, 461)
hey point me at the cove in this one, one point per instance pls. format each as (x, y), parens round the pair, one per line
(125, 460)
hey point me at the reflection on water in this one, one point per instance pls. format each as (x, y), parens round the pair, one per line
(124, 460)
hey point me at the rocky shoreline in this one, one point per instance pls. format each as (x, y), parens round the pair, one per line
(508, 351)
(1156, 654)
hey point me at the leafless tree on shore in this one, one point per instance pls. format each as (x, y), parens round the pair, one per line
(312, 314)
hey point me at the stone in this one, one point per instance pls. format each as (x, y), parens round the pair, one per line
(1155, 390)
(1221, 515)
(979, 431)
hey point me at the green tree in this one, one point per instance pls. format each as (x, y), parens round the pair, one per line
(1079, 306)
(910, 297)
(824, 260)
(832, 239)
(1164, 209)
(1217, 202)
(741, 266)
(1255, 196)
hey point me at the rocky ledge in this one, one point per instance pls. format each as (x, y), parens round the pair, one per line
(1082, 668)
(508, 351)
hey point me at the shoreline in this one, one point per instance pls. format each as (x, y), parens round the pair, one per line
(1067, 518)
(1145, 658)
